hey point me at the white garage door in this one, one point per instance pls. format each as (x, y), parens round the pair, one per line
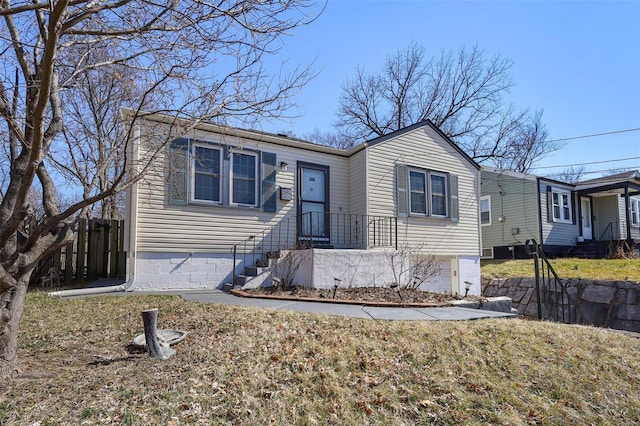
(440, 283)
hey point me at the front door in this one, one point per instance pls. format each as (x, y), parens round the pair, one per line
(313, 202)
(585, 218)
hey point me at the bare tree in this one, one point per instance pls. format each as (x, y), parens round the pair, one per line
(329, 138)
(460, 92)
(571, 174)
(412, 265)
(197, 61)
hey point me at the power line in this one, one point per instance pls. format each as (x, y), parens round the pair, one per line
(595, 135)
(599, 171)
(586, 164)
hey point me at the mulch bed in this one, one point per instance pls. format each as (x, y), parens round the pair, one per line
(379, 296)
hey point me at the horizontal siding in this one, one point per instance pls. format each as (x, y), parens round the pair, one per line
(358, 182)
(622, 217)
(426, 149)
(557, 233)
(515, 199)
(606, 211)
(168, 228)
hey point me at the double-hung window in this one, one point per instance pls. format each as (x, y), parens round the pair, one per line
(418, 190)
(209, 173)
(244, 179)
(635, 212)
(428, 193)
(206, 166)
(485, 210)
(561, 201)
(438, 187)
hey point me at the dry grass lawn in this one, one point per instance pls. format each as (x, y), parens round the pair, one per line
(260, 367)
(593, 269)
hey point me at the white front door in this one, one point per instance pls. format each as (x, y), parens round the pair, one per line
(587, 233)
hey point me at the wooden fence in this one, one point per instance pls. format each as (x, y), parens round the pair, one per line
(96, 252)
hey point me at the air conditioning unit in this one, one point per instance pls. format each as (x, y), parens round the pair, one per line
(487, 253)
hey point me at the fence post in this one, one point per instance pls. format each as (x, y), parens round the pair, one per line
(82, 249)
(121, 262)
(68, 263)
(113, 248)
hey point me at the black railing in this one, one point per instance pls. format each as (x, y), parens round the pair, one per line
(554, 301)
(316, 230)
(608, 233)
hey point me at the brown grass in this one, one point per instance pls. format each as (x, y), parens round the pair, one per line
(259, 367)
(592, 269)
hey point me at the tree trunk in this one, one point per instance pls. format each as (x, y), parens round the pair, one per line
(156, 348)
(11, 309)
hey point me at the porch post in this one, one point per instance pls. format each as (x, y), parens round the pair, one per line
(627, 211)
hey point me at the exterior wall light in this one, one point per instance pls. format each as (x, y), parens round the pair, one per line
(284, 167)
(336, 284)
(467, 287)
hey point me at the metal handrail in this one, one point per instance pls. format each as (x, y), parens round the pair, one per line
(547, 287)
(345, 231)
(609, 228)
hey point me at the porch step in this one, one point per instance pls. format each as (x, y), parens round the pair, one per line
(254, 271)
(253, 277)
(240, 280)
(591, 249)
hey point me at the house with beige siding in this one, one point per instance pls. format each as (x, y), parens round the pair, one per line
(579, 219)
(224, 207)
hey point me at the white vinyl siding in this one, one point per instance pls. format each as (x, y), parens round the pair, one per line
(423, 147)
(162, 227)
(513, 209)
(358, 182)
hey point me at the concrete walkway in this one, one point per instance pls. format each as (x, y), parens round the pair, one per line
(345, 310)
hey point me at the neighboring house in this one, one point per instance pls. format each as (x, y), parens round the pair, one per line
(222, 201)
(568, 219)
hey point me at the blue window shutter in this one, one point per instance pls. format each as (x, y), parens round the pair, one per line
(401, 190)
(268, 167)
(454, 205)
(179, 172)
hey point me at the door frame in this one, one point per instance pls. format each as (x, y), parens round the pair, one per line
(327, 208)
(590, 218)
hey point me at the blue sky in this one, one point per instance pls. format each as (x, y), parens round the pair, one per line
(578, 61)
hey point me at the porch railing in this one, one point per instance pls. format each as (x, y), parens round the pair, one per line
(316, 230)
(554, 301)
(611, 232)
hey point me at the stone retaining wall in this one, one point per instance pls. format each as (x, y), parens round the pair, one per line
(614, 304)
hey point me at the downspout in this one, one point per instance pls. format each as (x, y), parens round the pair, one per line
(130, 244)
(539, 212)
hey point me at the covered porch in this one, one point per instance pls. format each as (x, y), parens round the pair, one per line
(605, 207)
